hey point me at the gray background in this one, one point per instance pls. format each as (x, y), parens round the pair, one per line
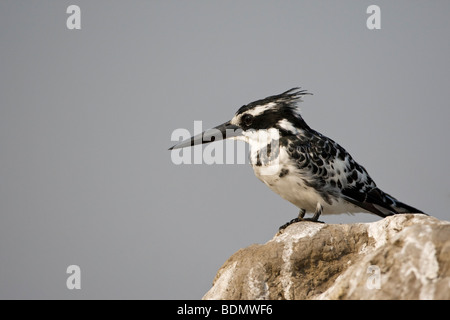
(86, 118)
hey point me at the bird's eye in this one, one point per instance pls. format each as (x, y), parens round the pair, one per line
(247, 119)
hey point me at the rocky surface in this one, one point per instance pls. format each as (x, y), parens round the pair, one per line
(400, 257)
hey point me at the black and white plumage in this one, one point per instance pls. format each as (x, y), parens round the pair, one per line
(300, 164)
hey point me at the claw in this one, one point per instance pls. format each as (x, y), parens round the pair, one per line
(301, 214)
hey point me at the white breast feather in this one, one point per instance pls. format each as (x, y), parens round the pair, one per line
(293, 188)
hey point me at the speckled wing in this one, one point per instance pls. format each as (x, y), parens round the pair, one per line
(328, 168)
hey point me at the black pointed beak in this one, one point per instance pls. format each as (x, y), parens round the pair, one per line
(224, 131)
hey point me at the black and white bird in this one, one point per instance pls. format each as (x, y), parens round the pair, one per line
(300, 164)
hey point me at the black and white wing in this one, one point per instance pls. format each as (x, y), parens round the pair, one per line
(330, 169)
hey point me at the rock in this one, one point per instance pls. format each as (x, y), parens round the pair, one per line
(404, 256)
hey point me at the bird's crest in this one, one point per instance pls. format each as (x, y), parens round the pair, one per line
(287, 99)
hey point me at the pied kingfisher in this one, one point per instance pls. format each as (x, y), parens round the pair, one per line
(312, 171)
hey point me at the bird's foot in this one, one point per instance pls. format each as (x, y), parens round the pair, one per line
(298, 219)
(312, 220)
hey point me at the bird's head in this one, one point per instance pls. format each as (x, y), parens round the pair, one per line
(263, 117)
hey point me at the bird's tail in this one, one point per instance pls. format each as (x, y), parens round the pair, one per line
(401, 207)
(392, 204)
(379, 202)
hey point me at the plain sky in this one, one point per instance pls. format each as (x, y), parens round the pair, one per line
(86, 118)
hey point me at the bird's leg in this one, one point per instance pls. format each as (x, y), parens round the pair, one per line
(317, 213)
(299, 218)
(301, 214)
